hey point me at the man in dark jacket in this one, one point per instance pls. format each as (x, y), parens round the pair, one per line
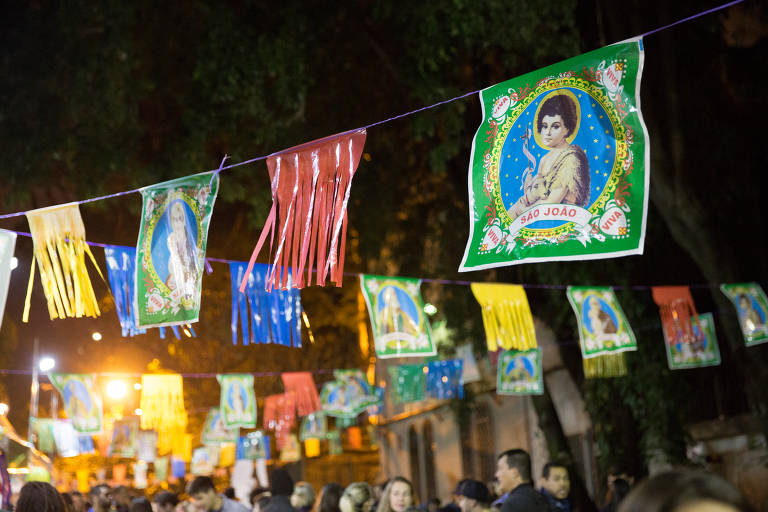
(556, 486)
(282, 488)
(513, 473)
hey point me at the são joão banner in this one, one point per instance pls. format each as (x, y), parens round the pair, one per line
(81, 400)
(559, 166)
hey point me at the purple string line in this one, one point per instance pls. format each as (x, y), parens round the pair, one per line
(422, 109)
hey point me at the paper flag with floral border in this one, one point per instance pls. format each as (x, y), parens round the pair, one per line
(204, 460)
(752, 307)
(311, 185)
(7, 246)
(214, 430)
(238, 401)
(161, 468)
(58, 235)
(162, 405)
(253, 446)
(313, 426)
(400, 326)
(124, 438)
(171, 249)
(147, 445)
(702, 352)
(81, 400)
(264, 316)
(348, 395)
(677, 312)
(302, 385)
(121, 272)
(291, 449)
(444, 379)
(506, 316)
(408, 381)
(519, 373)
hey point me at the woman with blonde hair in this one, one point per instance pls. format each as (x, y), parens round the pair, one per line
(398, 495)
(357, 497)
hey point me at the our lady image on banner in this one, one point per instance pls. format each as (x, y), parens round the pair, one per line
(348, 395)
(238, 402)
(81, 400)
(520, 373)
(124, 438)
(171, 249)
(400, 326)
(603, 328)
(702, 351)
(752, 307)
(253, 446)
(559, 165)
(214, 430)
(313, 426)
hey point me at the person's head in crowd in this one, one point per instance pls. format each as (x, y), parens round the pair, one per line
(433, 505)
(121, 496)
(257, 493)
(615, 472)
(303, 496)
(357, 497)
(229, 492)
(282, 483)
(513, 468)
(261, 503)
(473, 496)
(328, 499)
(398, 495)
(78, 501)
(40, 497)
(685, 491)
(619, 490)
(166, 501)
(203, 494)
(140, 505)
(555, 480)
(100, 497)
(67, 500)
(378, 490)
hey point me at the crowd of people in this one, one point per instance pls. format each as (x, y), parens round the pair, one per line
(513, 490)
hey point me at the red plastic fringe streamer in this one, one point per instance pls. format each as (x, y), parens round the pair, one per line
(302, 387)
(279, 415)
(677, 313)
(310, 192)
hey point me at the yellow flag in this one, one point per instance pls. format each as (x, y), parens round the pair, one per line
(506, 316)
(162, 406)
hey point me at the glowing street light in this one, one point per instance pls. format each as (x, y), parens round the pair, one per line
(47, 364)
(137, 386)
(96, 336)
(116, 389)
(430, 309)
(138, 412)
(3, 409)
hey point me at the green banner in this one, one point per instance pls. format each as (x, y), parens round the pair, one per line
(519, 373)
(214, 430)
(348, 395)
(703, 351)
(81, 400)
(560, 164)
(238, 401)
(400, 326)
(603, 328)
(752, 307)
(170, 252)
(313, 426)
(408, 382)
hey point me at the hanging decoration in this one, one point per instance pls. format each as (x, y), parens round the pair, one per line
(227, 454)
(204, 460)
(81, 400)
(355, 438)
(334, 442)
(604, 332)
(519, 373)
(7, 247)
(704, 351)
(291, 450)
(302, 386)
(408, 381)
(506, 316)
(214, 430)
(264, 317)
(313, 426)
(171, 249)
(43, 429)
(560, 164)
(348, 395)
(400, 326)
(140, 474)
(253, 446)
(121, 272)
(310, 191)
(178, 467)
(470, 370)
(124, 438)
(162, 405)
(161, 468)
(119, 473)
(444, 379)
(312, 448)
(279, 415)
(677, 311)
(146, 445)
(83, 484)
(752, 307)
(238, 402)
(58, 235)
(65, 436)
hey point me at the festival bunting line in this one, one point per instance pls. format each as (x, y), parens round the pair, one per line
(371, 125)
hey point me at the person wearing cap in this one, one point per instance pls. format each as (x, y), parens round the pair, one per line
(473, 496)
(555, 486)
(282, 489)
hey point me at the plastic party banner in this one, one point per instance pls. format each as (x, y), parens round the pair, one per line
(348, 395)
(559, 168)
(313, 426)
(81, 400)
(253, 446)
(238, 402)
(752, 307)
(519, 373)
(7, 246)
(400, 326)
(603, 328)
(444, 379)
(214, 430)
(171, 249)
(124, 435)
(703, 351)
(408, 381)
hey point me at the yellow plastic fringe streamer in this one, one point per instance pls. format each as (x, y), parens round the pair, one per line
(506, 316)
(58, 234)
(162, 406)
(612, 365)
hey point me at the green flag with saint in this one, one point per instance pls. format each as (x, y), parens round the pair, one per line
(170, 252)
(559, 166)
(603, 328)
(752, 307)
(519, 373)
(238, 401)
(81, 400)
(408, 381)
(703, 351)
(400, 326)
